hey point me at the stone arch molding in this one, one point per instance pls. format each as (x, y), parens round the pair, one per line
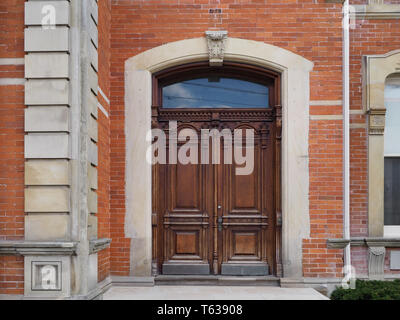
(377, 69)
(295, 123)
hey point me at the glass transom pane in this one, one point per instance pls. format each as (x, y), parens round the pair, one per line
(215, 92)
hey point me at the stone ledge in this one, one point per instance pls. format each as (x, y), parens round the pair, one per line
(379, 11)
(98, 245)
(123, 281)
(361, 241)
(382, 242)
(37, 248)
(11, 297)
(97, 292)
(334, 1)
(9, 247)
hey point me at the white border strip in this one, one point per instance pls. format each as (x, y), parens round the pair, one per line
(12, 81)
(392, 155)
(325, 102)
(11, 61)
(102, 109)
(358, 125)
(326, 117)
(362, 112)
(103, 95)
(391, 231)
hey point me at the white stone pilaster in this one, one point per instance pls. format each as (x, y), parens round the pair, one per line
(61, 66)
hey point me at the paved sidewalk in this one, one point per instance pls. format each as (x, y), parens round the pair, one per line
(212, 293)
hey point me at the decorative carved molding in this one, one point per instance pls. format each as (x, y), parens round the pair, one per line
(376, 69)
(376, 260)
(223, 115)
(377, 121)
(216, 46)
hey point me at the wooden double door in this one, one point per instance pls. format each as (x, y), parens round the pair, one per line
(207, 219)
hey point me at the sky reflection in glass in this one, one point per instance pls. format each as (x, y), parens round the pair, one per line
(215, 92)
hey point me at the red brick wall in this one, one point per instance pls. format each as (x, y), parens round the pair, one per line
(11, 275)
(359, 259)
(310, 29)
(369, 37)
(103, 191)
(326, 195)
(11, 144)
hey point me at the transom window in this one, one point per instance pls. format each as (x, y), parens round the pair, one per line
(215, 92)
(392, 154)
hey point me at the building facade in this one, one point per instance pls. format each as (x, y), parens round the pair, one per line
(82, 84)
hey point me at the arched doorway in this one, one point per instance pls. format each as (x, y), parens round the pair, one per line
(208, 217)
(294, 71)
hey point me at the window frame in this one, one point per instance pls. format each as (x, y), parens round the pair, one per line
(390, 230)
(375, 70)
(235, 70)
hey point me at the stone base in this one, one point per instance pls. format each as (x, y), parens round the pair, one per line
(324, 286)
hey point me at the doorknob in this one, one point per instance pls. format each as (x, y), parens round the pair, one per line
(219, 223)
(219, 206)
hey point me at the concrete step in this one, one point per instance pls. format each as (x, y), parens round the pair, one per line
(216, 280)
(212, 293)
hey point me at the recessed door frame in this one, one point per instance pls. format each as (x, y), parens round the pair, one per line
(294, 71)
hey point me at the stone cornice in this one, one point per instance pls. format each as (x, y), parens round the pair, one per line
(334, 1)
(98, 245)
(8, 247)
(37, 248)
(361, 241)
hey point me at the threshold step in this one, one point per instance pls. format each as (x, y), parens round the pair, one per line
(216, 280)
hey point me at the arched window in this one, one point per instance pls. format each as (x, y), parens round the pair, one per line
(392, 156)
(199, 86)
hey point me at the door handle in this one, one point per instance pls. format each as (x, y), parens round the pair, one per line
(219, 207)
(219, 223)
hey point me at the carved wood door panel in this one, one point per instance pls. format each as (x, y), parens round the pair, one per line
(208, 219)
(185, 216)
(246, 212)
